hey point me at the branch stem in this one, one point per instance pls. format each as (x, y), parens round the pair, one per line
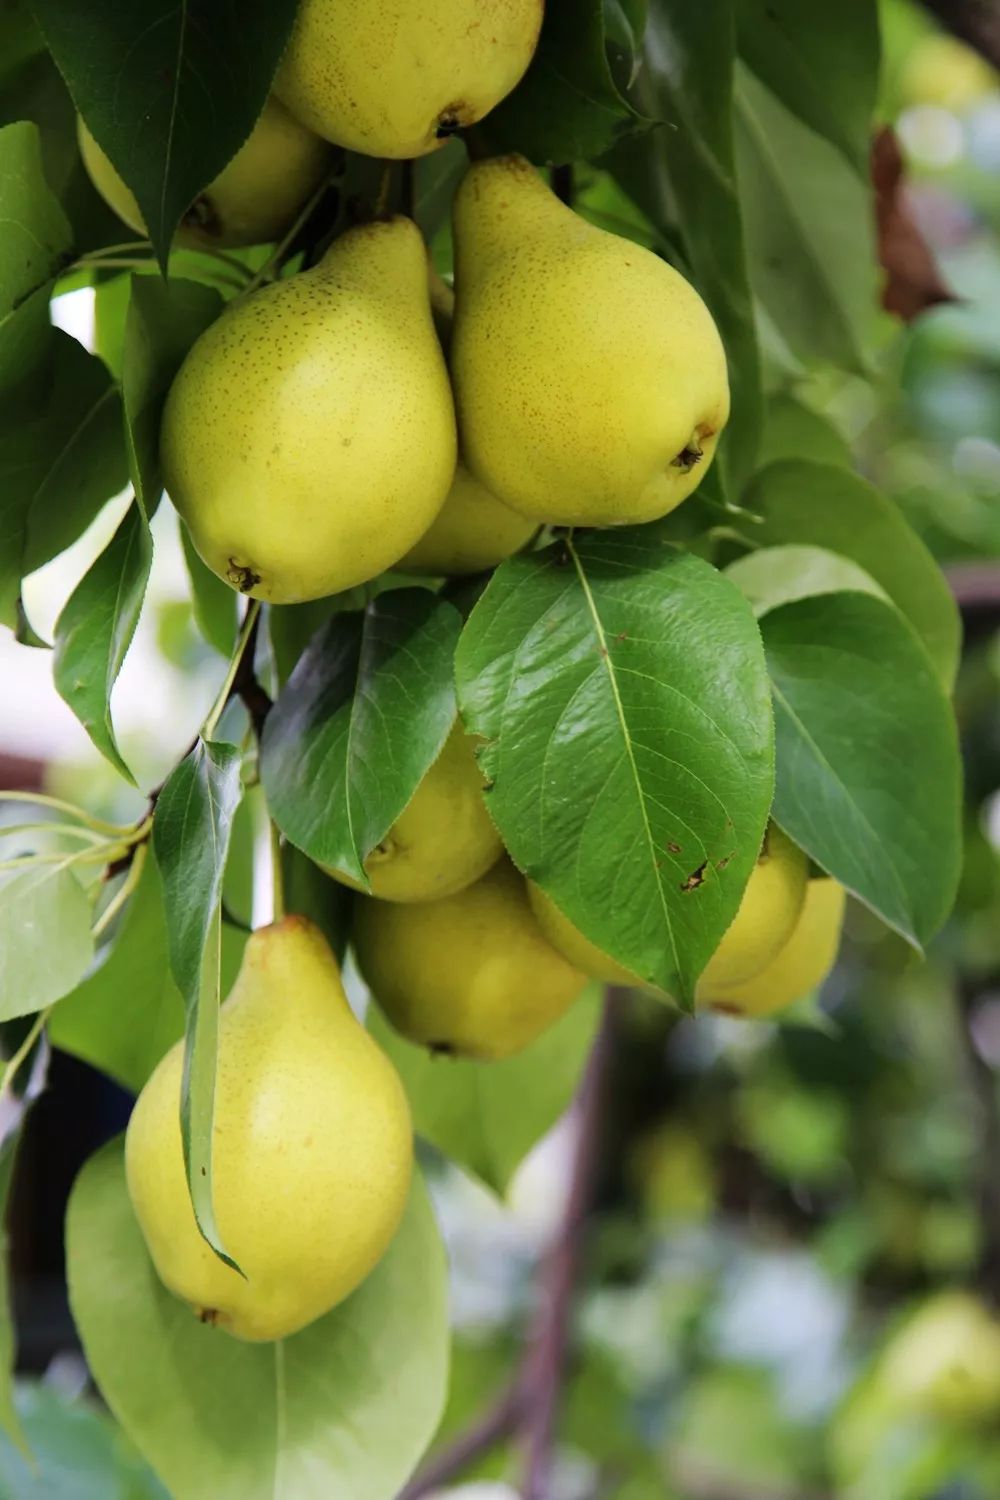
(244, 644)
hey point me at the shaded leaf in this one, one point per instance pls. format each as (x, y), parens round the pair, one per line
(622, 690)
(868, 777)
(36, 240)
(363, 717)
(95, 630)
(213, 602)
(346, 1407)
(77, 1451)
(45, 942)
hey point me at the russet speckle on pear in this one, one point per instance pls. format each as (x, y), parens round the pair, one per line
(308, 440)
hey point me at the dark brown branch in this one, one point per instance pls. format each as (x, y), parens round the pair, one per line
(976, 22)
(545, 1364)
(245, 685)
(495, 1425)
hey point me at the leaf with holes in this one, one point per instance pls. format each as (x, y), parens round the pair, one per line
(622, 690)
(170, 92)
(868, 775)
(362, 719)
(95, 630)
(191, 827)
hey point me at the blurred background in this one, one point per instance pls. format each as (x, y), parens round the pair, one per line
(794, 1224)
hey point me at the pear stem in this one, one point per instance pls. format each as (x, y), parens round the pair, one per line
(244, 640)
(123, 893)
(273, 263)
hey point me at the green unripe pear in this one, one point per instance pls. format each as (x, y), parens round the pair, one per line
(397, 77)
(444, 838)
(799, 966)
(253, 199)
(311, 1148)
(770, 908)
(309, 438)
(471, 975)
(589, 377)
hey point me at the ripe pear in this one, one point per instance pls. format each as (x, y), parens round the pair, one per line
(568, 940)
(312, 1148)
(799, 967)
(470, 975)
(254, 198)
(589, 377)
(396, 78)
(444, 838)
(308, 439)
(770, 908)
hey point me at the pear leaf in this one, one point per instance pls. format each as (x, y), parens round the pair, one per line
(345, 1407)
(362, 718)
(191, 829)
(622, 691)
(45, 941)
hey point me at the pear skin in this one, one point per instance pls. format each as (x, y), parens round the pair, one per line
(471, 975)
(771, 905)
(398, 77)
(799, 966)
(253, 199)
(574, 947)
(444, 838)
(308, 439)
(589, 376)
(312, 1148)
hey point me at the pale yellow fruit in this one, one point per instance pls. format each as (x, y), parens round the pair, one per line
(472, 974)
(472, 531)
(443, 840)
(311, 1150)
(589, 377)
(397, 77)
(309, 438)
(771, 905)
(571, 943)
(253, 199)
(944, 1361)
(799, 967)
(942, 71)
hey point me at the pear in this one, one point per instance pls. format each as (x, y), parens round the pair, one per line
(473, 530)
(253, 199)
(944, 1361)
(311, 1150)
(589, 377)
(308, 439)
(568, 940)
(799, 966)
(396, 78)
(470, 975)
(444, 838)
(771, 905)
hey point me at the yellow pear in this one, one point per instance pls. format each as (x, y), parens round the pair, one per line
(771, 905)
(473, 530)
(309, 438)
(798, 968)
(254, 198)
(470, 975)
(944, 1361)
(397, 77)
(444, 838)
(589, 377)
(311, 1151)
(574, 947)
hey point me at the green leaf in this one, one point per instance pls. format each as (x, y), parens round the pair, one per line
(622, 690)
(213, 602)
(10, 1422)
(36, 238)
(169, 95)
(868, 770)
(191, 827)
(163, 320)
(315, 895)
(822, 63)
(95, 630)
(487, 1116)
(777, 575)
(45, 942)
(344, 1408)
(567, 106)
(794, 430)
(77, 1453)
(683, 176)
(822, 505)
(58, 466)
(809, 229)
(129, 1012)
(363, 717)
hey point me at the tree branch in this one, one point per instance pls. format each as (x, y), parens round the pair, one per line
(496, 1424)
(975, 22)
